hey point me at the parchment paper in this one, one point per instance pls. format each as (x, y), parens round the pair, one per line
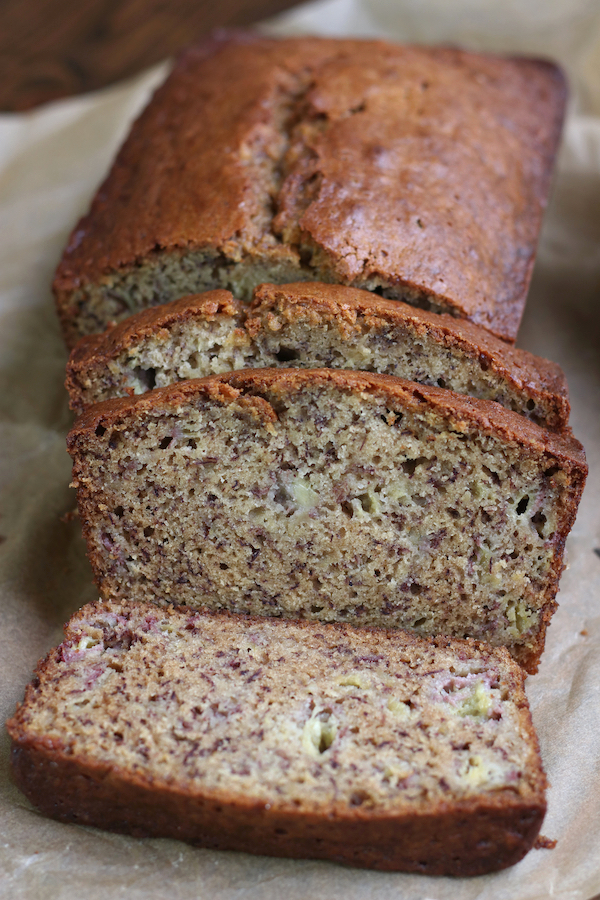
(50, 163)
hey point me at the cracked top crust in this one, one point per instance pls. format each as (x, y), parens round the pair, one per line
(419, 171)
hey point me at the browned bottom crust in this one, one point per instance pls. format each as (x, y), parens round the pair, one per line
(473, 839)
(358, 745)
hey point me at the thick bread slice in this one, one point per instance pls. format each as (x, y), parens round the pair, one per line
(366, 747)
(332, 495)
(312, 325)
(419, 172)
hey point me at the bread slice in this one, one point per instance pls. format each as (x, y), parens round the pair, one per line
(312, 325)
(188, 338)
(419, 172)
(367, 747)
(331, 495)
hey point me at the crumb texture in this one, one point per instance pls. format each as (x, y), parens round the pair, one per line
(313, 326)
(310, 721)
(333, 496)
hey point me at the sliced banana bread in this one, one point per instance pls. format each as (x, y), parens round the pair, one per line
(188, 338)
(331, 495)
(421, 172)
(367, 747)
(312, 325)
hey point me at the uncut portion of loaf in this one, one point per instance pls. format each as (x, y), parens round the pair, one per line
(418, 172)
(366, 747)
(312, 325)
(330, 495)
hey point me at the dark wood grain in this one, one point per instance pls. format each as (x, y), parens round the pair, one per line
(55, 48)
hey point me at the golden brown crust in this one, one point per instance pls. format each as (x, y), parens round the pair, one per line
(96, 350)
(352, 311)
(484, 415)
(329, 302)
(464, 841)
(453, 151)
(259, 390)
(108, 343)
(461, 836)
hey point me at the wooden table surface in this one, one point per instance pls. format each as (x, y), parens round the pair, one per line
(56, 48)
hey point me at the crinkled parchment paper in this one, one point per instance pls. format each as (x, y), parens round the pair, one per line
(50, 162)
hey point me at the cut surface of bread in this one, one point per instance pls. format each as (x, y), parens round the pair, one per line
(188, 338)
(366, 747)
(419, 172)
(331, 495)
(312, 325)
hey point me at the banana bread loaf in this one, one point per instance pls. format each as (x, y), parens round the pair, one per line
(312, 325)
(366, 747)
(418, 172)
(332, 495)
